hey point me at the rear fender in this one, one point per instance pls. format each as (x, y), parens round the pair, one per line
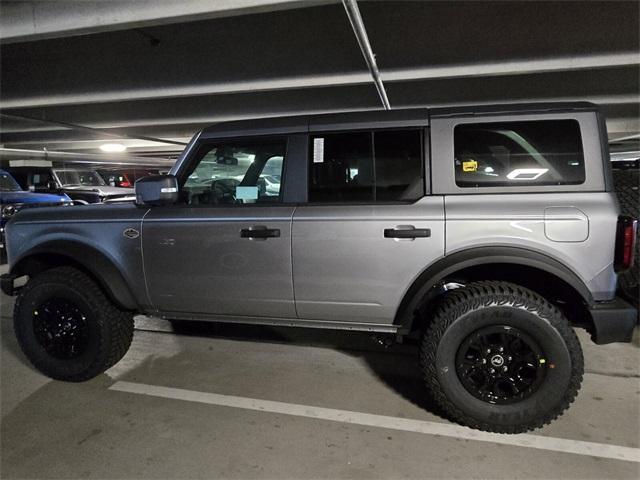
(449, 265)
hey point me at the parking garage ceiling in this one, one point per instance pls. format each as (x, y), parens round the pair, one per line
(148, 74)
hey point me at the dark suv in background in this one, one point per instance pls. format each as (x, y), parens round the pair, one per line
(13, 198)
(125, 178)
(82, 185)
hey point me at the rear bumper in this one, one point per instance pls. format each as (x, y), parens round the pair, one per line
(613, 321)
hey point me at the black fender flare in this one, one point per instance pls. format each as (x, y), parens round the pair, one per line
(90, 258)
(472, 257)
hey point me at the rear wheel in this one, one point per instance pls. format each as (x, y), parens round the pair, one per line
(68, 328)
(500, 358)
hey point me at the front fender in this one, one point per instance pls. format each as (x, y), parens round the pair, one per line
(102, 268)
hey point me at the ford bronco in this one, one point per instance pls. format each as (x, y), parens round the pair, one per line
(489, 233)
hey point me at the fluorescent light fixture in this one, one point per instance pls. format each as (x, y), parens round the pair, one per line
(113, 147)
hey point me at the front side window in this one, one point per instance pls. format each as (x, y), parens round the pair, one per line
(363, 167)
(235, 172)
(541, 152)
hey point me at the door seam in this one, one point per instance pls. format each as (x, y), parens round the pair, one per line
(293, 283)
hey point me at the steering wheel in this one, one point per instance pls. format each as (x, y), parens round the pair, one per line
(224, 190)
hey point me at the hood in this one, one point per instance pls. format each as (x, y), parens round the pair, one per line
(30, 197)
(103, 190)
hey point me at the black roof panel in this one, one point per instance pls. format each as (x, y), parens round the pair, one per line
(405, 117)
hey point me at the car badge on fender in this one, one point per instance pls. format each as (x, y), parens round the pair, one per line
(131, 233)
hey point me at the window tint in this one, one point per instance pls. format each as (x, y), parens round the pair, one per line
(398, 156)
(544, 152)
(365, 167)
(341, 168)
(236, 173)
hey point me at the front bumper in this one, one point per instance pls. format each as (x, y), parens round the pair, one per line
(613, 321)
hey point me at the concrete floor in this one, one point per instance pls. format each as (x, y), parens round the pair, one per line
(52, 429)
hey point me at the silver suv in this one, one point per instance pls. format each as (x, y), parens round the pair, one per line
(485, 232)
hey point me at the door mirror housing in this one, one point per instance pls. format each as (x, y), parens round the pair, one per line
(156, 190)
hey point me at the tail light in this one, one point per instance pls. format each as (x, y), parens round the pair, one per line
(625, 243)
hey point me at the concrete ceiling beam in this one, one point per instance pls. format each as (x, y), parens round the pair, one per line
(25, 21)
(490, 69)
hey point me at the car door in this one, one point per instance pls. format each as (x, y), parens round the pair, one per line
(226, 248)
(367, 230)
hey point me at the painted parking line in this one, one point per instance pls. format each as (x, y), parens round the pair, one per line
(563, 445)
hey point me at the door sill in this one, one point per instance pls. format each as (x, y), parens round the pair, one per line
(280, 322)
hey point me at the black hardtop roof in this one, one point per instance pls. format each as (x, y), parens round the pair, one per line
(405, 117)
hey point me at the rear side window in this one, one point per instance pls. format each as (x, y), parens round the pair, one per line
(541, 152)
(364, 167)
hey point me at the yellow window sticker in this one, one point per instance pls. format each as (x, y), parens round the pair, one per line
(469, 166)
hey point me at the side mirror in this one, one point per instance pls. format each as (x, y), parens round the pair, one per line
(156, 190)
(52, 185)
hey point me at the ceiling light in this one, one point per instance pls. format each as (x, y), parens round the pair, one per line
(113, 147)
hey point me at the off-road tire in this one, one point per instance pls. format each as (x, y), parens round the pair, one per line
(483, 304)
(110, 329)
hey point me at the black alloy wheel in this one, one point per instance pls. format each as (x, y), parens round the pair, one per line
(500, 364)
(61, 328)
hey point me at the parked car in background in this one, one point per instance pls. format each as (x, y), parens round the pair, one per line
(13, 198)
(82, 185)
(125, 178)
(272, 184)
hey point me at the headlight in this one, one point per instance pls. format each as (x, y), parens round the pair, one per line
(9, 211)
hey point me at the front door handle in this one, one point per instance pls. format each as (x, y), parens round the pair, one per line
(259, 232)
(408, 231)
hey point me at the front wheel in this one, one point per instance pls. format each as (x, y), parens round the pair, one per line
(68, 328)
(499, 357)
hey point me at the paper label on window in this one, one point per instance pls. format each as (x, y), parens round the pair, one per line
(469, 166)
(246, 193)
(318, 150)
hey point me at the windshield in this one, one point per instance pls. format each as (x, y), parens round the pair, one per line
(80, 177)
(8, 184)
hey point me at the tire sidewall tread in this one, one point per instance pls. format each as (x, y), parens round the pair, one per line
(457, 317)
(111, 329)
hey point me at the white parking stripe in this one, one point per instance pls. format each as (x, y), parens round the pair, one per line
(564, 445)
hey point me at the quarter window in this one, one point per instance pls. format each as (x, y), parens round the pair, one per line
(363, 167)
(236, 173)
(543, 152)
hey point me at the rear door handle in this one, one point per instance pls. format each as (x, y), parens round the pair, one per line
(407, 231)
(259, 232)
